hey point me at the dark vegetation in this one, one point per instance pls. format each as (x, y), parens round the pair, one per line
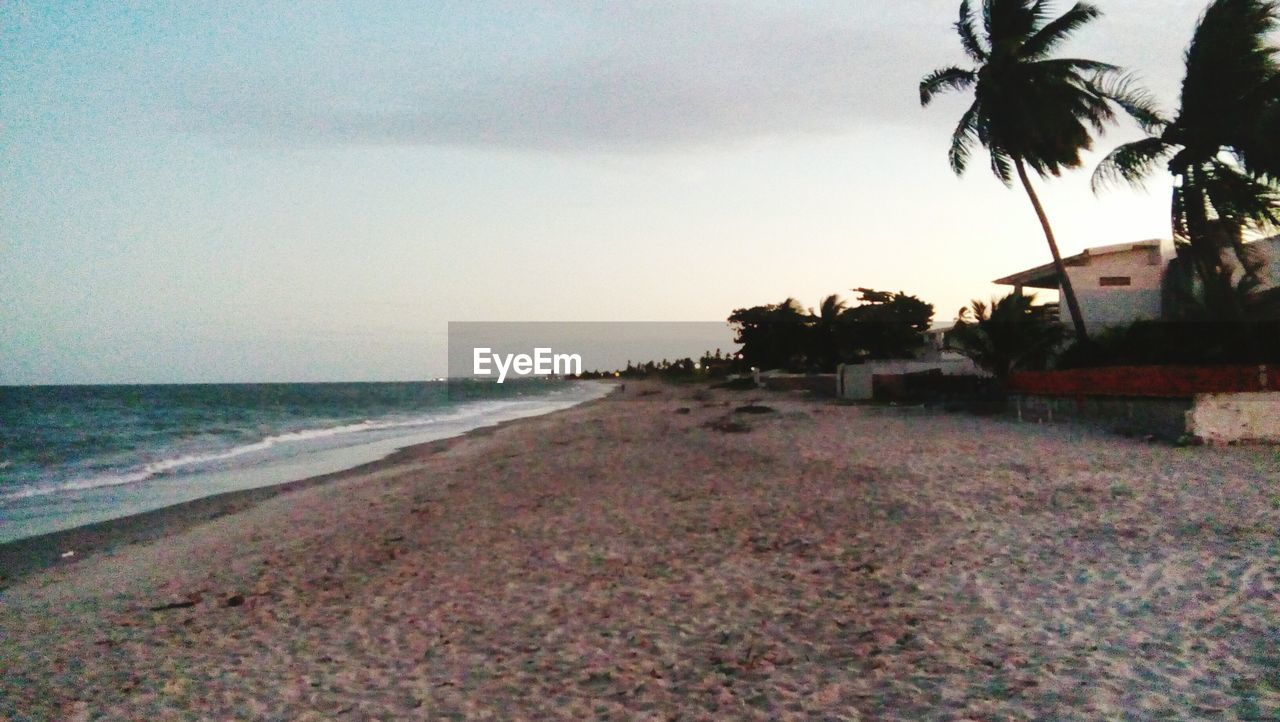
(785, 336)
(1010, 333)
(1156, 343)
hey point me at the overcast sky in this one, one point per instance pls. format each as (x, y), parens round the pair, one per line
(311, 191)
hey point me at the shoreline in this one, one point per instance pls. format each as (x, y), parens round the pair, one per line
(21, 558)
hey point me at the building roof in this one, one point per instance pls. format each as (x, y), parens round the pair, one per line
(1046, 276)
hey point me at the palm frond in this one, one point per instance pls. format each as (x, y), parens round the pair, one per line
(1002, 166)
(1240, 199)
(945, 79)
(962, 140)
(1041, 11)
(1008, 23)
(830, 309)
(969, 34)
(1055, 31)
(987, 22)
(1228, 61)
(1130, 163)
(1051, 120)
(1259, 152)
(1129, 96)
(1090, 105)
(1074, 66)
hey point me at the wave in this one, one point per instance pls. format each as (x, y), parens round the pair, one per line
(187, 462)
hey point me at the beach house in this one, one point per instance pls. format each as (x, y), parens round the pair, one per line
(1122, 283)
(1114, 284)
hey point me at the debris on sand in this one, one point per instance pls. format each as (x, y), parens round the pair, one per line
(181, 604)
(728, 426)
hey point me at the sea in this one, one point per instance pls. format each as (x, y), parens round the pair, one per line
(75, 455)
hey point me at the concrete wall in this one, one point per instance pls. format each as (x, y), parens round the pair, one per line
(817, 384)
(1105, 306)
(1223, 418)
(1250, 417)
(854, 380)
(1163, 417)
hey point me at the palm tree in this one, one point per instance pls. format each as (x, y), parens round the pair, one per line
(1010, 333)
(826, 321)
(1222, 147)
(1030, 109)
(831, 308)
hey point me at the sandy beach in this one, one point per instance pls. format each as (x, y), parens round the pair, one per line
(659, 555)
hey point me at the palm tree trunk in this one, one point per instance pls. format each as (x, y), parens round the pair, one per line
(1220, 297)
(1073, 306)
(1194, 232)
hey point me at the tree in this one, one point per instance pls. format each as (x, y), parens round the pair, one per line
(774, 335)
(887, 325)
(1222, 147)
(785, 336)
(830, 309)
(1030, 109)
(827, 322)
(1009, 334)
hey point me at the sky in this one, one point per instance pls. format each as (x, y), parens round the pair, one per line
(282, 191)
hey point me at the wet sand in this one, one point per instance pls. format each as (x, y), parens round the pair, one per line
(656, 555)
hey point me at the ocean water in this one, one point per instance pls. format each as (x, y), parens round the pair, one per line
(73, 455)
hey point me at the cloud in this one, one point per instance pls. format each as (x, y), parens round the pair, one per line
(602, 78)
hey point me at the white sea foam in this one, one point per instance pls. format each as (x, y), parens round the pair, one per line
(343, 434)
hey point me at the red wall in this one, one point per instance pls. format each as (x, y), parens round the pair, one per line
(1153, 381)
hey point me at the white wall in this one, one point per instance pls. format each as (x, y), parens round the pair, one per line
(1105, 306)
(1223, 418)
(854, 380)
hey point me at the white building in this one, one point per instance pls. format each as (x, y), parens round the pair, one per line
(1123, 283)
(1115, 284)
(855, 381)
